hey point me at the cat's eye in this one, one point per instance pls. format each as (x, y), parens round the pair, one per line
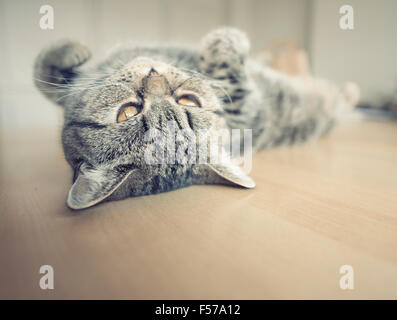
(189, 101)
(128, 111)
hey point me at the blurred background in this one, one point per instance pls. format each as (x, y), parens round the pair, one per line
(365, 55)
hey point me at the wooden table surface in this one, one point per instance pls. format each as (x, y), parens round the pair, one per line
(315, 208)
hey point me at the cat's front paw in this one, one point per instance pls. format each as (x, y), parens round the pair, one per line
(66, 54)
(224, 48)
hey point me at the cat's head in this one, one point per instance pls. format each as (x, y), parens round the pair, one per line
(117, 114)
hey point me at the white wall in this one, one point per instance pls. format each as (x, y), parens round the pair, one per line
(367, 54)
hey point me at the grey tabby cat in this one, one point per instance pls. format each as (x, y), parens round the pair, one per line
(109, 107)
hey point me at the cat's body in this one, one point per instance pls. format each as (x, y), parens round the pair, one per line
(209, 89)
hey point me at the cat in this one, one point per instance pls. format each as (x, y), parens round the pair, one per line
(110, 107)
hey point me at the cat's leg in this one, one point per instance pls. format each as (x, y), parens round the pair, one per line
(337, 101)
(300, 109)
(56, 66)
(291, 111)
(222, 57)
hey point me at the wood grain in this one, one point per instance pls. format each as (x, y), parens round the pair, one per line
(316, 207)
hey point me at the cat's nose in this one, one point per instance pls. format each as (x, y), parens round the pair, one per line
(155, 84)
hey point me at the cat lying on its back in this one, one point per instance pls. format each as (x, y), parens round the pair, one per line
(109, 108)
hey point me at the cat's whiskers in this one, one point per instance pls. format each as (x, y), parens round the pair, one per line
(74, 91)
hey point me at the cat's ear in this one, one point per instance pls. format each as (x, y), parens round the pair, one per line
(232, 173)
(56, 66)
(94, 185)
(223, 53)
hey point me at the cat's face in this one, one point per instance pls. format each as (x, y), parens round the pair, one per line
(107, 130)
(115, 119)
